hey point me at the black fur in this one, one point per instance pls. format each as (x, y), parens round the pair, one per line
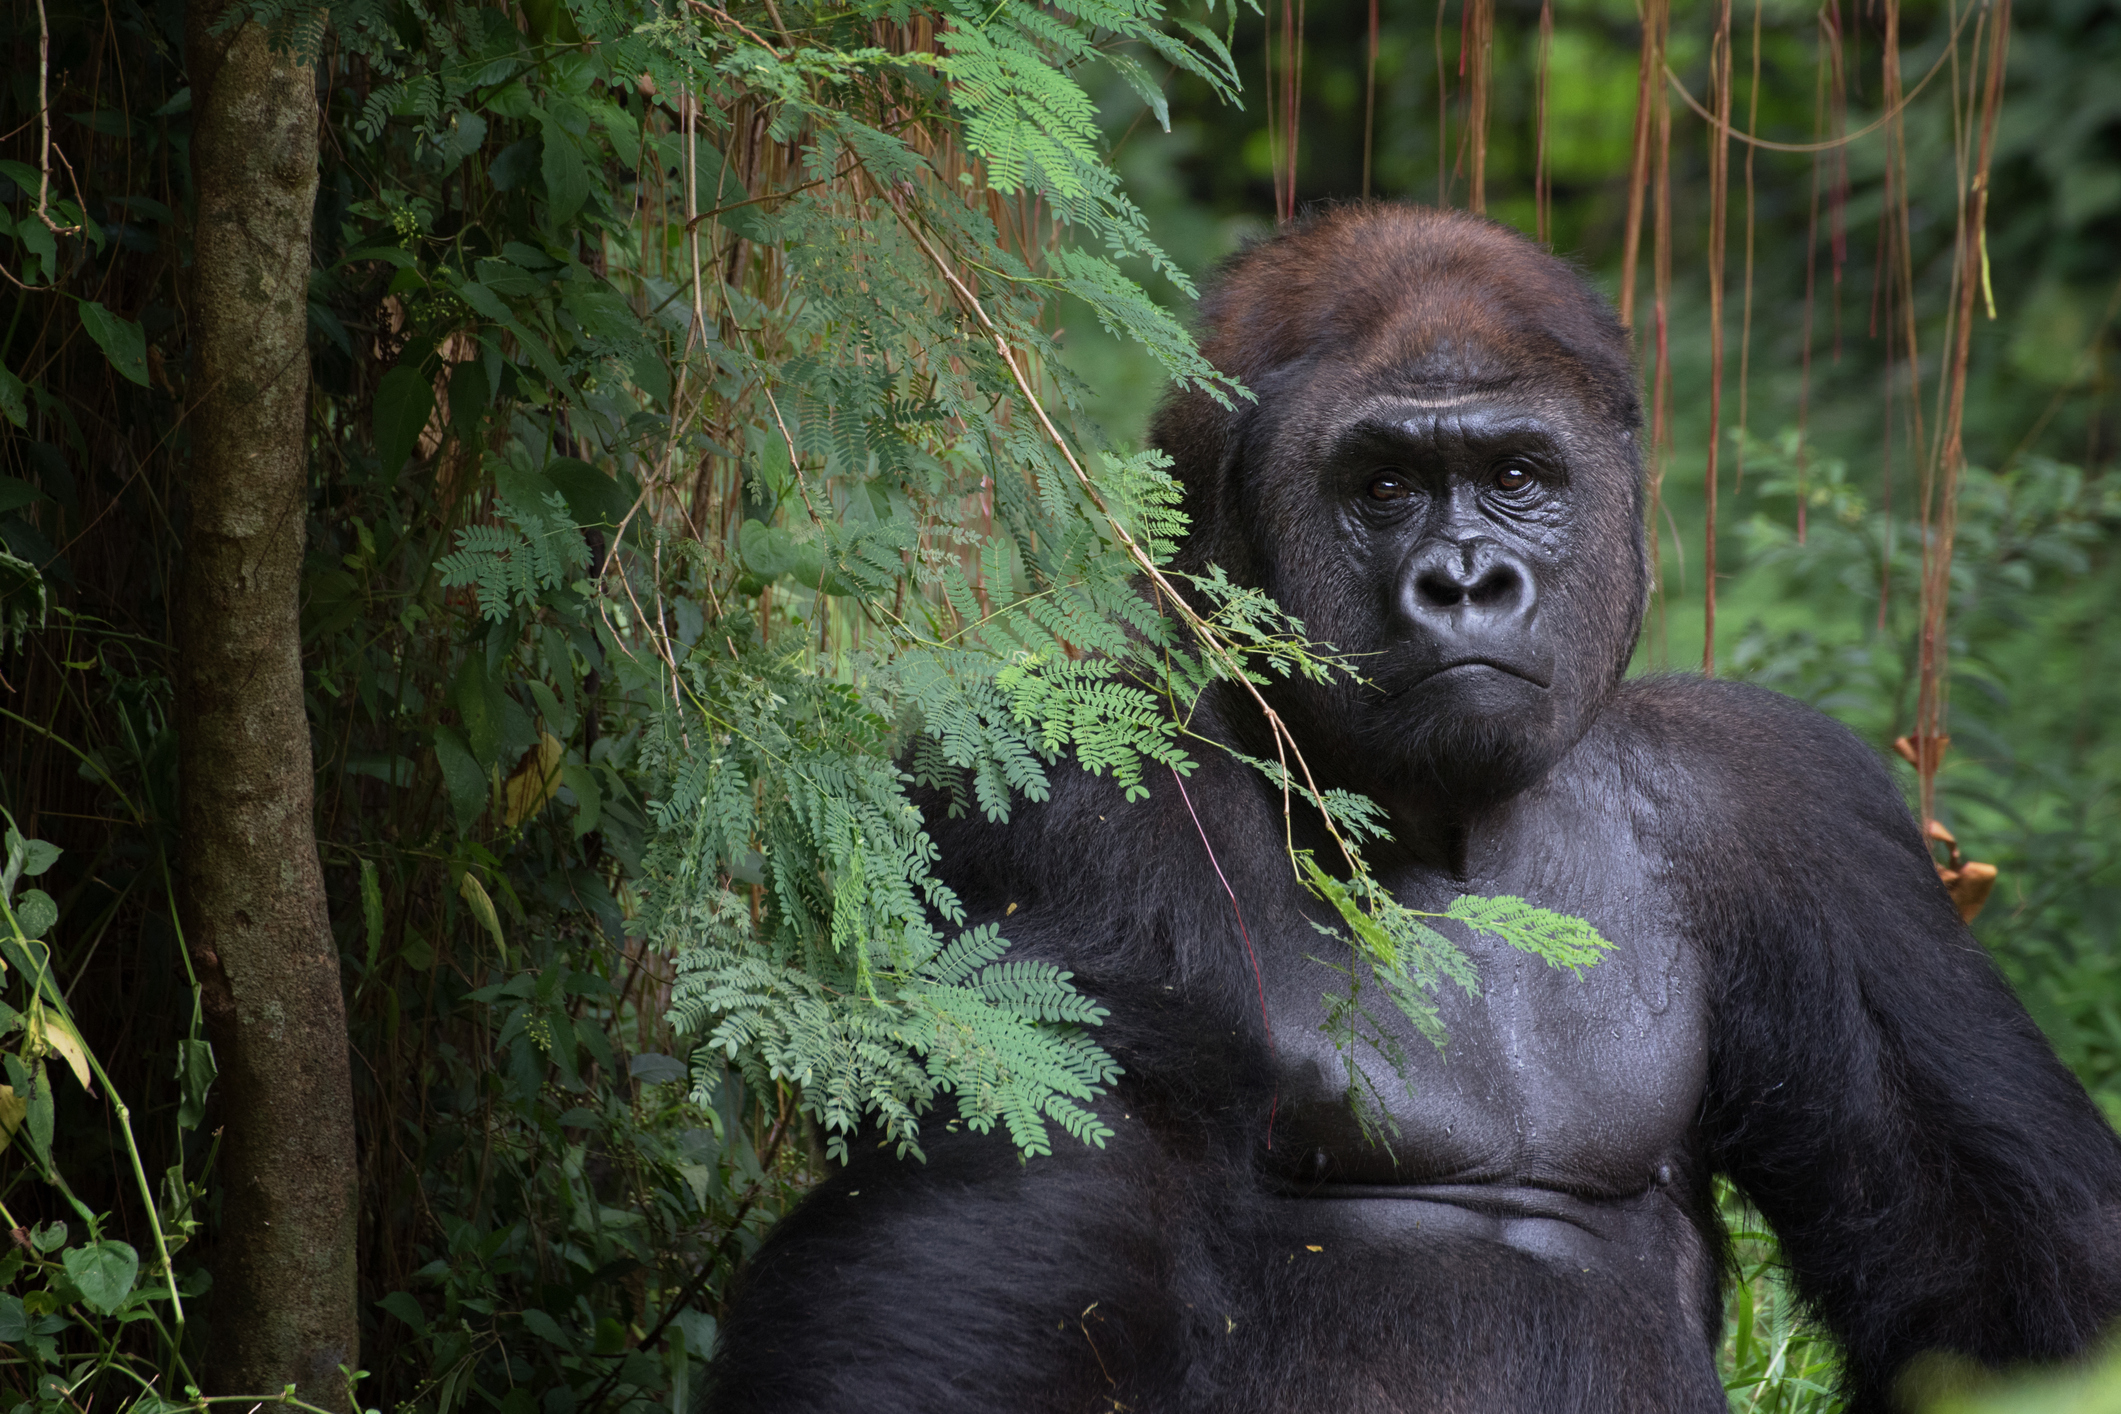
(1792, 1000)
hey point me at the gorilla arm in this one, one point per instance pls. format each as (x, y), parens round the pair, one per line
(1938, 1179)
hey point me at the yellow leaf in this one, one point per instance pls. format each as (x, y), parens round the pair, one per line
(13, 1110)
(536, 779)
(54, 1033)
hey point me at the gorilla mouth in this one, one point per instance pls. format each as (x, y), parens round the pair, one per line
(1525, 671)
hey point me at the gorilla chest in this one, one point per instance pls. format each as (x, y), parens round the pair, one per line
(1586, 1082)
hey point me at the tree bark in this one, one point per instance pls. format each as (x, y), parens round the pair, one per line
(284, 1298)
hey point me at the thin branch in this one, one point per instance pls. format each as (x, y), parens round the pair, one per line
(44, 120)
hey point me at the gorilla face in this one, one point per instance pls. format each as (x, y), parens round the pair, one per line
(1444, 484)
(1470, 549)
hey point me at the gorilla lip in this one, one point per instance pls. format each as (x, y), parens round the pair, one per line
(1514, 670)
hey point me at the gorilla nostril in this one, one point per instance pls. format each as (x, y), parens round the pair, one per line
(1500, 586)
(1439, 590)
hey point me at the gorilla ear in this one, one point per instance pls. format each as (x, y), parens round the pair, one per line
(1204, 439)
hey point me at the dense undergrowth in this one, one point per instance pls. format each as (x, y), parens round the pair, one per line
(678, 462)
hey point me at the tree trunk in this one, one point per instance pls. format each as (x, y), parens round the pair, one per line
(284, 1297)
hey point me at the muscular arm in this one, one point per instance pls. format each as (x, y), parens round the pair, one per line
(1938, 1179)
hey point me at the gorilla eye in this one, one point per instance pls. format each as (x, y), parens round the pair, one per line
(1389, 486)
(1512, 477)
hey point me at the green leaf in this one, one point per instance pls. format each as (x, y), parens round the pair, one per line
(24, 859)
(39, 1123)
(1562, 940)
(1143, 83)
(406, 1307)
(468, 399)
(469, 791)
(478, 700)
(588, 797)
(1369, 934)
(372, 909)
(195, 1077)
(38, 856)
(38, 241)
(396, 257)
(35, 912)
(104, 1272)
(545, 1328)
(48, 1237)
(481, 905)
(405, 400)
(566, 174)
(771, 552)
(120, 339)
(23, 600)
(655, 1068)
(593, 497)
(14, 398)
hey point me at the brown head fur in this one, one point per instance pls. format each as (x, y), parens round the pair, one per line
(1400, 298)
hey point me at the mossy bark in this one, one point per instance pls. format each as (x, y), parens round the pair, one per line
(283, 1308)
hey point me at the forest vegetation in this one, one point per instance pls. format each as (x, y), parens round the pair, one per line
(698, 423)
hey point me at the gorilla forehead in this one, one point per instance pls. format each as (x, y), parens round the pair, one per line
(1394, 297)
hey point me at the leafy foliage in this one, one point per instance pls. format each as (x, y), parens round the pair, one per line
(683, 495)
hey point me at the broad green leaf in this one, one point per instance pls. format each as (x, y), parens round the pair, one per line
(468, 399)
(121, 340)
(13, 1110)
(39, 242)
(588, 798)
(566, 174)
(406, 1307)
(654, 1068)
(469, 792)
(405, 400)
(38, 856)
(545, 1328)
(479, 703)
(464, 135)
(35, 913)
(104, 1272)
(593, 497)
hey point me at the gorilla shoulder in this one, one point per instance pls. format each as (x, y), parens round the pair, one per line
(1765, 780)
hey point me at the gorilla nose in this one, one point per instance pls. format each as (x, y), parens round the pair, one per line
(1468, 588)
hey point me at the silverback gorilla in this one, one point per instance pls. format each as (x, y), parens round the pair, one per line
(1442, 472)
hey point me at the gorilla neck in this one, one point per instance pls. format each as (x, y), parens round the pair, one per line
(1443, 791)
(1436, 828)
